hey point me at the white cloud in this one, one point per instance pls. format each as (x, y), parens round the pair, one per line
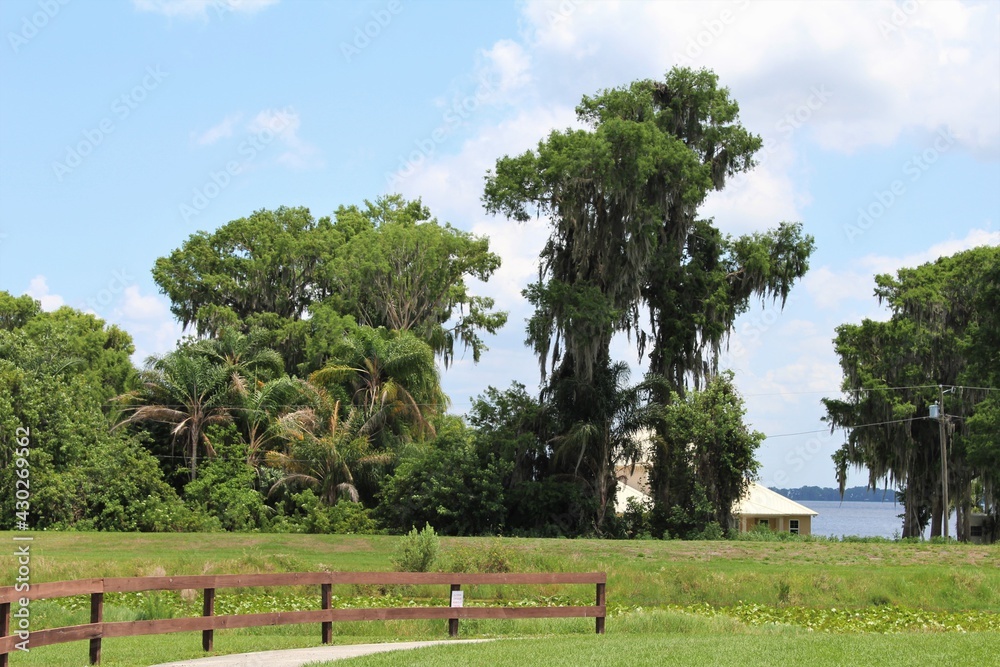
(148, 319)
(830, 287)
(507, 67)
(451, 186)
(760, 198)
(38, 289)
(936, 66)
(195, 9)
(887, 264)
(135, 306)
(222, 130)
(283, 126)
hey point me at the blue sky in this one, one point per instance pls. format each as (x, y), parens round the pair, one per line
(127, 125)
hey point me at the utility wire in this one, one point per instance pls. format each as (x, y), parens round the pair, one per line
(826, 430)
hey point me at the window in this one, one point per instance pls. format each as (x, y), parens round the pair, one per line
(763, 522)
(976, 531)
(793, 526)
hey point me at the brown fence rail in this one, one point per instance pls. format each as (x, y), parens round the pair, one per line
(208, 622)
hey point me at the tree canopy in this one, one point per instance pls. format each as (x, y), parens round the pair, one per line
(936, 339)
(308, 281)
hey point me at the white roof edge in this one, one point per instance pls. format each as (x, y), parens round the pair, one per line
(762, 501)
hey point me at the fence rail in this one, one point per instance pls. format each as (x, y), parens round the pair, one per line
(208, 622)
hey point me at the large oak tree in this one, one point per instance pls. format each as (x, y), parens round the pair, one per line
(622, 197)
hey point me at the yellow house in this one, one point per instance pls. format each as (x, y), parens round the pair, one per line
(762, 506)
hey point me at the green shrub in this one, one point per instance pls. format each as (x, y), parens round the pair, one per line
(417, 551)
(225, 488)
(447, 483)
(497, 557)
(155, 605)
(344, 518)
(635, 520)
(712, 531)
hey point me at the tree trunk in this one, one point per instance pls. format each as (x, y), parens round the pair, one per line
(911, 516)
(936, 516)
(194, 454)
(965, 525)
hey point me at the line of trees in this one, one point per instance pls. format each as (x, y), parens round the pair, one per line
(309, 397)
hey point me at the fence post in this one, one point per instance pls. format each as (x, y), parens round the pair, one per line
(208, 609)
(453, 622)
(96, 616)
(601, 602)
(4, 628)
(327, 603)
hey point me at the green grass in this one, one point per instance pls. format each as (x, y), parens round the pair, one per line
(941, 577)
(771, 650)
(745, 595)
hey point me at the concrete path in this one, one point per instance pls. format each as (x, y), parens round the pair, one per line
(301, 656)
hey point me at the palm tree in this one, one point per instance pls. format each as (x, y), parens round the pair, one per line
(245, 357)
(604, 433)
(391, 376)
(324, 453)
(259, 413)
(186, 390)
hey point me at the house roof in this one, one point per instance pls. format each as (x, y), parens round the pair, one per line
(624, 493)
(759, 501)
(762, 501)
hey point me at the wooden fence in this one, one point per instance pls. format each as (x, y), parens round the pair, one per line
(208, 622)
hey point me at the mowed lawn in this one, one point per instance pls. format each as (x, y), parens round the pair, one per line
(758, 650)
(649, 584)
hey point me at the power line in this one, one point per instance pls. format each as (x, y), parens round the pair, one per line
(825, 430)
(850, 391)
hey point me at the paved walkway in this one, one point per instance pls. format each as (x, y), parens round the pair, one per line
(300, 656)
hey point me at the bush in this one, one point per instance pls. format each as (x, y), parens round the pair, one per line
(549, 508)
(496, 558)
(225, 490)
(344, 518)
(762, 533)
(445, 482)
(417, 551)
(712, 531)
(636, 520)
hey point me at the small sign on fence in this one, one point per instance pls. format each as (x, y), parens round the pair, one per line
(457, 598)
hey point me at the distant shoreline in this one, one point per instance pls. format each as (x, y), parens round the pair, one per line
(853, 494)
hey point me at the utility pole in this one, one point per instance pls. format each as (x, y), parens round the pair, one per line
(944, 465)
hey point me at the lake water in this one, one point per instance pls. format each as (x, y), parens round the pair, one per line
(864, 519)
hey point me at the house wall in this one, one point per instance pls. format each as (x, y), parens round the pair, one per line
(778, 524)
(637, 478)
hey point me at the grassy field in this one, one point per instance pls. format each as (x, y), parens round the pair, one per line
(771, 599)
